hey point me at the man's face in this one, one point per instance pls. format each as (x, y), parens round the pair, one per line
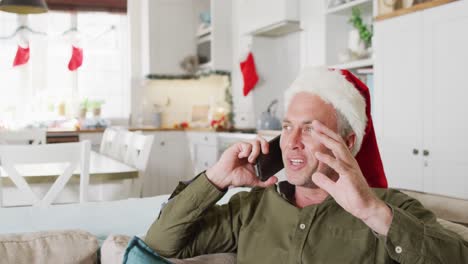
(299, 143)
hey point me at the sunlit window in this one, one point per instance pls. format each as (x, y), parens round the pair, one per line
(44, 89)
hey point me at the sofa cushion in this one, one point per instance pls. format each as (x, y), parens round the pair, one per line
(456, 228)
(113, 249)
(138, 252)
(448, 208)
(67, 246)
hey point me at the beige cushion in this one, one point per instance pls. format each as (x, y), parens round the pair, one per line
(456, 228)
(448, 208)
(114, 246)
(68, 246)
(113, 249)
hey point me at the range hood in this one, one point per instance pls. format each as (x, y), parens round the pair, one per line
(278, 29)
(281, 17)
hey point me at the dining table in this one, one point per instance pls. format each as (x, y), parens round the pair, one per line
(109, 179)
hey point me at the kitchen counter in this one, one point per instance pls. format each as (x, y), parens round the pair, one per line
(62, 131)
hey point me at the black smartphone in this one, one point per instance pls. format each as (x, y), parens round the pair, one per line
(269, 164)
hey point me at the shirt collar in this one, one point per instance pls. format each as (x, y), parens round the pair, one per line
(287, 191)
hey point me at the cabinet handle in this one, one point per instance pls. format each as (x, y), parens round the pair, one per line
(425, 152)
(206, 138)
(162, 143)
(415, 152)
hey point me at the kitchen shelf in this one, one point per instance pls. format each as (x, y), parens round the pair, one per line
(354, 64)
(415, 8)
(346, 9)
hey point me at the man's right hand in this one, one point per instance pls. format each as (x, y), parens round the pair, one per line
(235, 167)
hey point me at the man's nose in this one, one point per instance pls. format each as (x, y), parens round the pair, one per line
(295, 139)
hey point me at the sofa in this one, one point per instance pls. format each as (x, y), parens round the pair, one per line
(100, 232)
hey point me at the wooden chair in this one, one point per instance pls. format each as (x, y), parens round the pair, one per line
(109, 142)
(75, 155)
(33, 136)
(138, 150)
(137, 154)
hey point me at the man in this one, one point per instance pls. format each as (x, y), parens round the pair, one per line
(325, 212)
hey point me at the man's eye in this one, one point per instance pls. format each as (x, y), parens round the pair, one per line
(308, 129)
(286, 127)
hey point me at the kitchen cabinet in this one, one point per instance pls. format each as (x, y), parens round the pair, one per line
(269, 18)
(171, 35)
(218, 36)
(420, 95)
(169, 163)
(203, 150)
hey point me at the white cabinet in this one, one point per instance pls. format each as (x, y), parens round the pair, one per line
(169, 163)
(269, 17)
(445, 91)
(218, 37)
(419, 68)
(203, 150)
(401, 84)
(171, 35)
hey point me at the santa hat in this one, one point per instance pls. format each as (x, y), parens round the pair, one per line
(351, 98)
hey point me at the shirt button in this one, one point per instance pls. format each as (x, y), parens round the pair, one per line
(398, 249)
(302, 226)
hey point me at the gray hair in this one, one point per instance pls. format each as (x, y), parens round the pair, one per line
(344, 128)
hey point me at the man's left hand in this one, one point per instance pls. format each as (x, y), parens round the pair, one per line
(351, 190)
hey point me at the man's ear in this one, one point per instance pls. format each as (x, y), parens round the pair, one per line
(350, 140)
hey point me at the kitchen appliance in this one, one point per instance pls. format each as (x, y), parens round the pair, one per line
(268, 119)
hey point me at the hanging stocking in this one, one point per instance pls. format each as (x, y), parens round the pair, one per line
(249, 74)
(22, 56)
(76, 59)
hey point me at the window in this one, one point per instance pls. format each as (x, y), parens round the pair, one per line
(33, 92)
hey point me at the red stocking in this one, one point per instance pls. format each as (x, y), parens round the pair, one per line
(76, 59)
(249, 74)
(22, 56)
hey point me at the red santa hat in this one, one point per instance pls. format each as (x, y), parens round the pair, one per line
(351, 98)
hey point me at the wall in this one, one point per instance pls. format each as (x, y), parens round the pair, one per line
(278, 60)
(278, 63)
(181, 95)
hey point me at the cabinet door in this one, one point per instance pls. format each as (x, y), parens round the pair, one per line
(171, 34)
(168, 163)
(445, 126)
(399, 66)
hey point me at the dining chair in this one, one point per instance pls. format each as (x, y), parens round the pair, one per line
(123, 145)
(33, 136)
(137, 155)
(110, 138)
(68, 157)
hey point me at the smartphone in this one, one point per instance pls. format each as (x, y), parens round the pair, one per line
(269, 164)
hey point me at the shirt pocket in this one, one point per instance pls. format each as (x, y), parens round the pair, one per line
(333, 244)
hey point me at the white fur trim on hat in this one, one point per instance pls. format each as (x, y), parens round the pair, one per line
(333, 88)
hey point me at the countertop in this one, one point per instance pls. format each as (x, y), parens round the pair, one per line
(62, 131)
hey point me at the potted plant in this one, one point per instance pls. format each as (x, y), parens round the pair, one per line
(96, 106)
(84, 107)
(360, 38)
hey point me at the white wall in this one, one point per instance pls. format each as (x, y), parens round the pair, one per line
(278, 63)
(313, 40)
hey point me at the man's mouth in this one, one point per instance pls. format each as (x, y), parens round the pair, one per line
(296, 163)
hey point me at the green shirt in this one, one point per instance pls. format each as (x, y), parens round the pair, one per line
(262, 226)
